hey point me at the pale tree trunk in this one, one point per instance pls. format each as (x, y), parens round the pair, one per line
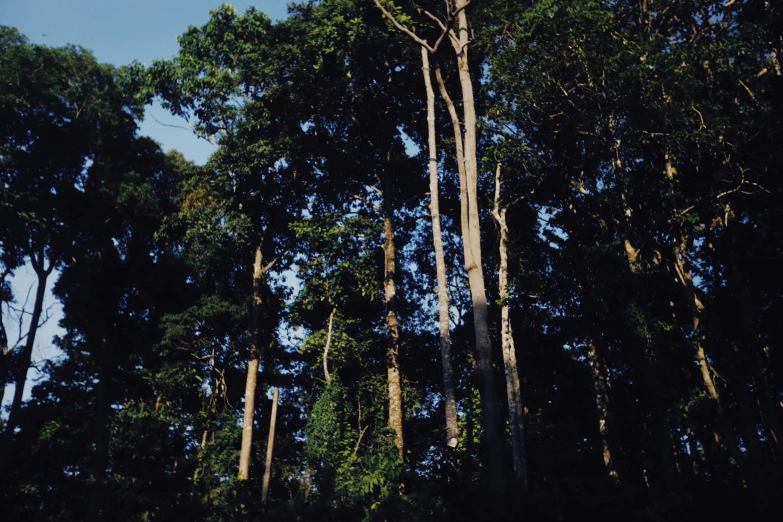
(20, 378)
(697, 310)
(211, 410)
(326, 348)
(516, 411)
(471, 229)
(269, 448)
(452, 431)
(392, 322)
(252, 369)
(489, 399)
(201, 450)
(601, 387)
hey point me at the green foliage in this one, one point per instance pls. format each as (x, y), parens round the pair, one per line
(639, 144)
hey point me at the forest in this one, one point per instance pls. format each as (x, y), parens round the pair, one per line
(448, 260)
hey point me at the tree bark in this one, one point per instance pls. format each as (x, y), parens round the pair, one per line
(471, 232)
(252, 369)
(392, 322)
(665, 463)
(516, 411)
(269, 448)
(102, 435)
(601, 386)
(3, 342)
(452, 431)
(326, 348)
(20, 378)
(489, 399)
(472, 255)
(697, 310)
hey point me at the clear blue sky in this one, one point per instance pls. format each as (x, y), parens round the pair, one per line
(117, 32)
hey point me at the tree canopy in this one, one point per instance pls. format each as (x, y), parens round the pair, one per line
(500, 260)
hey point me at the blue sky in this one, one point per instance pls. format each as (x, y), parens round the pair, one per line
(120, 31)
(117, 32)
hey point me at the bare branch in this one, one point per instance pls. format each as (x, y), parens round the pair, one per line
(366, 202)
(402, 28)
(700, 117)
(445, 27)
(747, 89)
(273, 262)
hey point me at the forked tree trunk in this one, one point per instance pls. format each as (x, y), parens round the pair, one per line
(516, 411)
(489, 398)
(269, 448)
(252, 369)
(472, 255)
(471, 229)
(452, 431)
(601, 387)
(392, 322)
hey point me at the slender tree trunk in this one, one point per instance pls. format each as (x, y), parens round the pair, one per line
(392, 322)
(516, 411)
(697, 310)
(452, 431)
(3, 346)
(201, 450)
(326, 348)
(601, 386)
(490, 405)
(658, 420)
(665, 464)
(768, 409)
(269, 448)
(472, 254)
(102, 435)
(252, 369)
(471, 237)
(25, 360)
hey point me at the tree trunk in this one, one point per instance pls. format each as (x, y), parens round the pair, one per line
(452, 431)
(20, 378)
(269, 448)
(326, 348)
(475, 270)
(200, 454)
(665, 464)
(252, 370)
(757, 359)
(697, 310)
(516, 412)
(102, 435)
(601, 386)
(392, 322)
(3, 346)
(471, 235)
(472, 254)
